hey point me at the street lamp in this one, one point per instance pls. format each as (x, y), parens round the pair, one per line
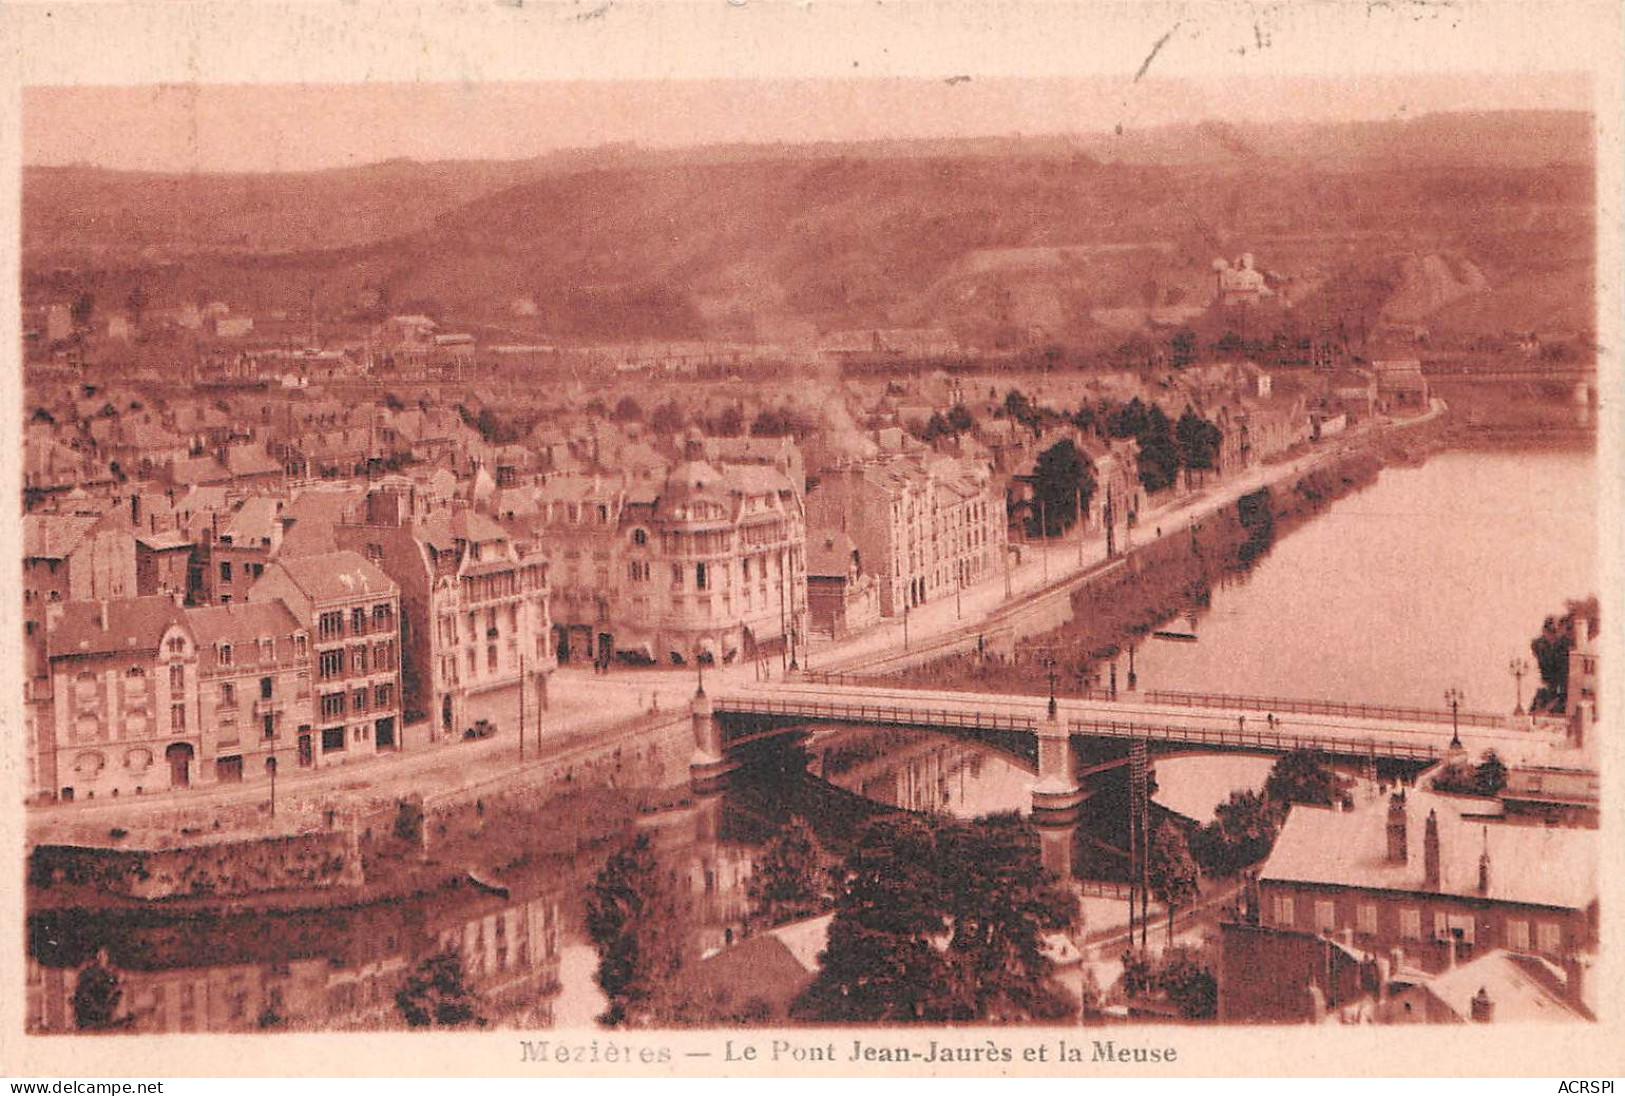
(1050, 662)
(270, 767)
(1453, 697)
(699, 669)
(1519, 667)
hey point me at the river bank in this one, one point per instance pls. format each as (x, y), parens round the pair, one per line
(1171, 576)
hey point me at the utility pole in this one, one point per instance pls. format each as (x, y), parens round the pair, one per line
(522, 707)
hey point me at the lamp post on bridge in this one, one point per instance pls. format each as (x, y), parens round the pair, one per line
(1518, 668)
(270, 768)
(1052, 706)
(1453, 697)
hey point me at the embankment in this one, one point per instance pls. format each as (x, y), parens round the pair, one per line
(1164, 579)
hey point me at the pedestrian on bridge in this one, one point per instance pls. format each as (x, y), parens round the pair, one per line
(1241, 724)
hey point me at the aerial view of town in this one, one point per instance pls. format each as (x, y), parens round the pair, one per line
(1099, 577)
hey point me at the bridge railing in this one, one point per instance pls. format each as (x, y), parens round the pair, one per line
(1256, 739)
(889, 714)
(1295, 706)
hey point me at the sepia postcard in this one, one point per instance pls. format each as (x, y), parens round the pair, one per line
(818, 540)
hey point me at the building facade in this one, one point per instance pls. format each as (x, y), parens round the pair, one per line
(254, 690)
(351, 611)
(475, 615)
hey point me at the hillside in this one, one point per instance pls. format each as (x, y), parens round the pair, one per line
(976, 235)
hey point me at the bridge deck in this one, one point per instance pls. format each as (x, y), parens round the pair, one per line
(1173, 718)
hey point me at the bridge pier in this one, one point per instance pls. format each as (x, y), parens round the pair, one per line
(709, 764)
(1058, 793)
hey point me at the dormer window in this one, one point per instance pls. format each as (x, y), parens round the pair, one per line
(225, 654)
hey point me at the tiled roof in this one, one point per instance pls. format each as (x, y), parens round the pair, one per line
(241, 622)
(1522, 988)
(53, 536)
(1534, 865)
(337, 575)
(133, 624)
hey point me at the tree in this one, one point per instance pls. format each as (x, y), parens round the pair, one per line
(1302, 776)
(1189, 984)
(1062, 478)
(1172, 870)
(436, 994)
(627, 409)
(1159, 454)
(940, 920)
(790, 880)
(634, 922)
(667, 419)
(1241, 834)
(961, 419)
(1198, 441)
(1551, 650)
(879, 961)
(1183, 347)
(1491, 775)
(136, 303)
(81, 311)
(729, 423)
(96, 999)
(1001, 903)
(936, 427)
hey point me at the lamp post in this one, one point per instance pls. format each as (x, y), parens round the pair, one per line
(270, 768)
(1453, 697)
(1519, 667)
(699, 670)
(1052, 706)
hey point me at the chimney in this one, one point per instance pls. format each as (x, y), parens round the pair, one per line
(1398, 852)
(1483, 1007)
(1574, 979)
(1430, 851)
(101, 614)
(1484, 865)
(135, 510)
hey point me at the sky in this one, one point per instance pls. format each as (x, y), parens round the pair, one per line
(273, 87)
(301, 127)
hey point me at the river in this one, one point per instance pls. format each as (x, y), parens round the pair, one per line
(1434, 577)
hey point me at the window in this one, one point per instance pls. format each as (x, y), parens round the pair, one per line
(270, 727)
(358, 620)
(299, 647)
(358, 659)
(228, 695)
(640, 537)
(380, 617)
(1462, 927)
(375, 552)
(699, 576)
(491, 658)
(267, 649)
(330, 664)
(177, 646)
(1284, 913)
(639, 570)
(383, 696)
(332, 739)
(266, 686)
(1518, 935)
(225, 570)
(677, 576)
(177, 679)
(1325, 916)
(358, 700)
(332, 705)
(1410, 924)
(225, 654)
(330, 626)
(745, 567)
(1368, 919)
(135, 672)
(1549, 937)
(383, 655)
(177, 717)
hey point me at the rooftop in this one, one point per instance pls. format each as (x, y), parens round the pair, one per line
(1534, 865)
(336, 576)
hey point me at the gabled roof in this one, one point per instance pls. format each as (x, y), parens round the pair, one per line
(240, 622)
(1522, 988)
(337, 575)
(54, 536)
(133, 624)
